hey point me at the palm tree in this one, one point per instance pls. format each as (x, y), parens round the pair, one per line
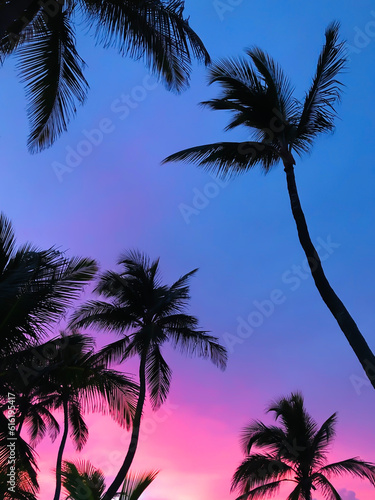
(42, 35)
(36, 288)
(261, 98)
(82, 481)
(135, 484)
(296, 452)
(77, 381)
(147, 314)
(21, 466)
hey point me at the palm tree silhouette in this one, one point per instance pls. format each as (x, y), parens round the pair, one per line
(261, 98)
(36, 288)
(42, 35)
(147, 314)
(26, 483)
(83, 481)
(296, 452)
(77, 380)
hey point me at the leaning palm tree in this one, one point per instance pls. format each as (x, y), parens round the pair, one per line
(42, 36)
(36, 288)
(261, 98)
(294, 452)
(147, 314)
(78, 380)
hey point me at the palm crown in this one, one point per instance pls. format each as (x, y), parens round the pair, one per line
(36, 288)
(261, 98)
(147, 314)
(43, 38)
(295, 452)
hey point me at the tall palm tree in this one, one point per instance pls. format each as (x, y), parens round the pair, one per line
(78, 381)
(147, 314)
(36, 288)
(42, 35)
(261, 98)
(296, 452)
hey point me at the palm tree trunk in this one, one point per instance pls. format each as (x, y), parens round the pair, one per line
(334, 304)
(116, 484)
(20, 425)
(61, 451)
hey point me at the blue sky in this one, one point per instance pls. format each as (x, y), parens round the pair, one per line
(241, 234)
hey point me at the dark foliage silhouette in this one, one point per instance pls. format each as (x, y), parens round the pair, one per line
(261, 98)
(294, 452)
(42, 36)
(146, 314)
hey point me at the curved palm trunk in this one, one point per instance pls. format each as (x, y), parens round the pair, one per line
(116, 484)
(61, 451)
(334, 304)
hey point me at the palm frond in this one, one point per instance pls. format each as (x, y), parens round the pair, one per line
(117, 351)
(36, 289)
(279, 90)
(153, 30)
(158, 376)
(7, 242)
(264, 491)
(52, 70)
(135, 484)
(353, 466)
(323, 438)
(228, 159)
(82, 480)
(108, 391)
(296, 493)
(326, 487)
(259, 469)
(200, 344)
(299, 426)
(102, 314)
(78, 429)
(271, 438)
(318, 112)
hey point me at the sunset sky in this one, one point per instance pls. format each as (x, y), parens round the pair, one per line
(98, 200)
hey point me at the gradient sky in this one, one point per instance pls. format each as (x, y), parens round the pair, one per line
(242, 237)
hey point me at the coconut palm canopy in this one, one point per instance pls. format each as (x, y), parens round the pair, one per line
(293, 452)
(42, 36)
